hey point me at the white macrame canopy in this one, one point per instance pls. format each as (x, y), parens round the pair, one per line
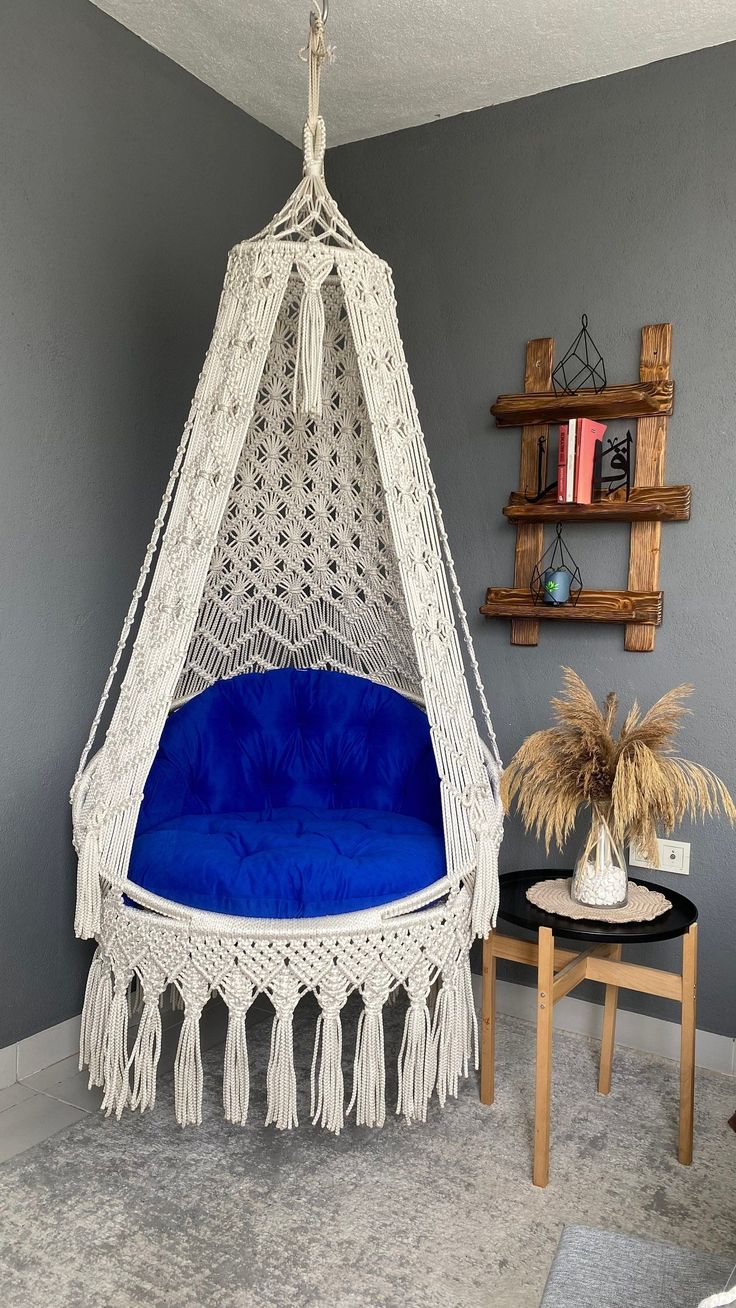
(300, 528)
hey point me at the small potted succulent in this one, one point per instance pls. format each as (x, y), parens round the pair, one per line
(633, 783)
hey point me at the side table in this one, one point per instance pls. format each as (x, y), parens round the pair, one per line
(560, 970)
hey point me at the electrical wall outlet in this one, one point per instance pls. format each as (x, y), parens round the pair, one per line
(674, 856)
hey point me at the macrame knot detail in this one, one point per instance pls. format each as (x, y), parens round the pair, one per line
(479, 802)
(485, 824)
(455, 1029)
(369, 1068)
(313, 263)
(327, 1088)
(238, 993)
(314, 149)
(281, 1074)
(417, 1057)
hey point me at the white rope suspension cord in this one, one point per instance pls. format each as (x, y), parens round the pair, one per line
(316, 265)
(315, 53)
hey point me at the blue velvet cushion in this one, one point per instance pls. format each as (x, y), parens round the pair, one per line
(292, 793)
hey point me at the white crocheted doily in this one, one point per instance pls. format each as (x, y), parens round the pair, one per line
(554, 897)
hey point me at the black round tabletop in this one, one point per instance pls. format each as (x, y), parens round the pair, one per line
(516, 908)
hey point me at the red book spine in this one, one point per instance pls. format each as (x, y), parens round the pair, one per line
(588, 433)
(562, 464)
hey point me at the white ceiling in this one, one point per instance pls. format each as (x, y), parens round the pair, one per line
(404, 62)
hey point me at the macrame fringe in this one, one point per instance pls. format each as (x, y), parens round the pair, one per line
(145, 1056)
(369, 1069)
(95, 1019)
(455, 1031)
(117, 1083)
(719, 1300)
(309, 352)
(236, 1077)
(188, 1071)
(135, 997)
(89, 891)
(328, 1088)
(485, 891)
(281, 1076)
(417, 1062)
(435, 1052)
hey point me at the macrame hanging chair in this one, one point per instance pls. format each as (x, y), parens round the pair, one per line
(293, 794)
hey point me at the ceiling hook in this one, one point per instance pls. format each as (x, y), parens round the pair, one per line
(321, 9)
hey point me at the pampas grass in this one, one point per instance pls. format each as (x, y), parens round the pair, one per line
(635, 779)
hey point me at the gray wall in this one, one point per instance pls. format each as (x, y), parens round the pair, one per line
(123, 183)
(618, 198)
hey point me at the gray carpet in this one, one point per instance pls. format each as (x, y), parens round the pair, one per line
(443, 1216)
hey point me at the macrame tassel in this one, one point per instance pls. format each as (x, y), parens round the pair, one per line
(236, 1078)
(719, 1300)
(117, 1084)
(89, 892)
(309, 352)
(328, 1089)
(145, 1056)
(95, 1019)
(485, 890)
(135, 997)
(417, 1066)
(369, 1068)
(188, 1070)
(281, 1076)
(455, 1030)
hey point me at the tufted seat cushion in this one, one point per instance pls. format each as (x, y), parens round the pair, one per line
(292, 793)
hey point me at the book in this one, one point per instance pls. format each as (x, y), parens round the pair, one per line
(572, 454)
(562, 463)
(588, 435)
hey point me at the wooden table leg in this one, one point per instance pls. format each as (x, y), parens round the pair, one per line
(488, 1024)
(543, 1093)
(609, 1031)
(687, 1044)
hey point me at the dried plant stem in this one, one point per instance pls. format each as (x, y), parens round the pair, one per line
(636, 777)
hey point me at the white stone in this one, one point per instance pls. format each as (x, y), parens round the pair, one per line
(600, 887)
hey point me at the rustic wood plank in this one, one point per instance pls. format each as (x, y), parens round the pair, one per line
(650, 396)
(651, 447)
(592, 606)
(530, 536)
(646, 503)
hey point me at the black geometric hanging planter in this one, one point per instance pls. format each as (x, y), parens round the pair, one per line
(582, 365)
(556, 577)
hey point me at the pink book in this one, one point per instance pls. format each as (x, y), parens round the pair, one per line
(588, 432)
(562, 464)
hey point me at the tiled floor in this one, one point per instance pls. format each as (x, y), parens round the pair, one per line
(40, 1105)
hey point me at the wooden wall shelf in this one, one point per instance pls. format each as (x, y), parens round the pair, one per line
(592, 606)
(649, 401)
(645, 504)
(639, 400)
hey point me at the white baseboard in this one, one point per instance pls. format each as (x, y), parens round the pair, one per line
(653, 1035)
(39, 1051)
